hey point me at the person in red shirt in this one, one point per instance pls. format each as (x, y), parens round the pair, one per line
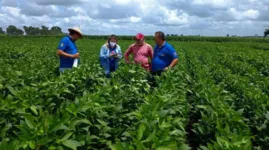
(141, 51)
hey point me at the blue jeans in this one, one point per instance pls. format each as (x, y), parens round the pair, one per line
(109, 65)
(63, 69)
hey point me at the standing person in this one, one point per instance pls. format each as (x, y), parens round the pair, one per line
(67, 49)
(141, 51)
(110, 55)
(165, 56)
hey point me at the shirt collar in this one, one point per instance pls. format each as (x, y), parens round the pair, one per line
(71, 39)
(144, 43)
(112, 48)
(164, 45)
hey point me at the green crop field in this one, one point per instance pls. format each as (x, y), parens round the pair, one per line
(216, 98)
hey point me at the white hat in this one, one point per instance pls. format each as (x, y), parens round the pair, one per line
(76, 29)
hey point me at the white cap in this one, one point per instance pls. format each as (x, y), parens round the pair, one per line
(76, 29)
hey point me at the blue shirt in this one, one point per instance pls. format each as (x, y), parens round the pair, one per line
(68, 46)
(163, 57)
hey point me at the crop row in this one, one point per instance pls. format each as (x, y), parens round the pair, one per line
(250, 99)
(216, 124)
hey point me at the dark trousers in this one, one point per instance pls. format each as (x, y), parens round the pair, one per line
(157, 73)
(151, 78)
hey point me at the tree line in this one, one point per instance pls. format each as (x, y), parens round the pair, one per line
(30, 30)
(55, 30)
(266, 32)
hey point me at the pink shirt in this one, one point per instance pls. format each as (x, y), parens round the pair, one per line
(141, 55)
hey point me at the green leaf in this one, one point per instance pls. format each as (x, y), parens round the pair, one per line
(60, 148)
(12, 91)
(184, 147)
(32, 145)
(6, 128)
(117, 146)
(33, 109)
(2, 120)
(132, 71)
(200, 130)
(267, 115)
(29, 122)
(201, 106)
(67, 91)
(77, 122)
(163, 148)
(52, 147)
(141, 130)
(219, 141)
(150, 138)
(44, 141)
(71, 144)
(240, 111)
(66, 137)
(163, 113)
(61, 127)
(204, 148)
(102, 122)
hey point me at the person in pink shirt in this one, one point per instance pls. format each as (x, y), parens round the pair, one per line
(141, 51)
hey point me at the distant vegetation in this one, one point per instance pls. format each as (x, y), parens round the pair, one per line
(266, 32)
(30, 30)
(57, 31)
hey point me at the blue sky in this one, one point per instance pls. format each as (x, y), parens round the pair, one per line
(127, 17)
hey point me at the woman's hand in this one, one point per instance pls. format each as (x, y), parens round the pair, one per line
(113, 55)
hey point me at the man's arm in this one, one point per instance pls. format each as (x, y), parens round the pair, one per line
(62, 53)
(174, 62)
(62, 46)
(174, 56)
(127, 53)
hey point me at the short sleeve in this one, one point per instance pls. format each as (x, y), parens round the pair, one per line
(119, 51)
(172, 52)
(150, 51)
(103, 53)
(63, 44)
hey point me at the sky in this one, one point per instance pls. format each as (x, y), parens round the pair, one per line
(128, 17)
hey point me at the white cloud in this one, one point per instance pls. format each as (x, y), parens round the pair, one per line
(214, 3)
(135, 19)
(245, 15)
(251, 14)
(206, 17)
(174, 17)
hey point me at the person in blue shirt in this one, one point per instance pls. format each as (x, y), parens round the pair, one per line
(110, 55)
(165, 56)
(67, 49)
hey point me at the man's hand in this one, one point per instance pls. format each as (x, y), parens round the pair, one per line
(76, 56)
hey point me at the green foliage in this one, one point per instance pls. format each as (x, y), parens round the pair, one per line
(266, 32)
(36, 31)
(12, 30)
(2, 32)
(215, 98)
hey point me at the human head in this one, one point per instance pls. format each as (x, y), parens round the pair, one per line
(75, 33)
(140, 38)
(159, 37)
(112, 38)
